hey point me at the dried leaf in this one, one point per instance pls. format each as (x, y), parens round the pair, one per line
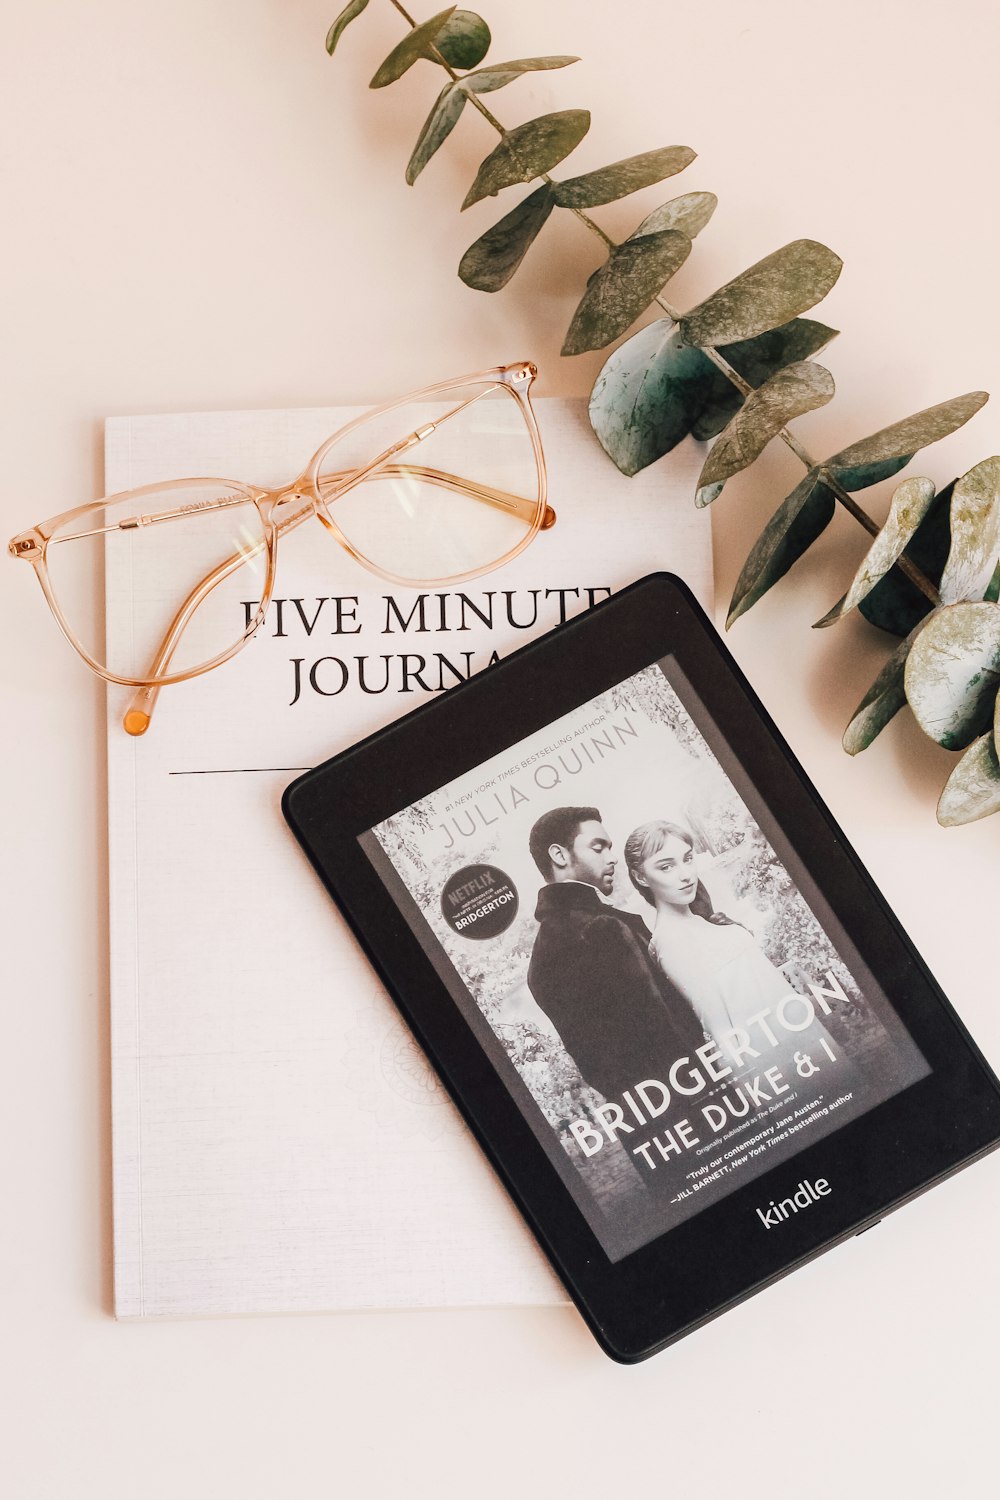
(972, 790)
(438, 126)
(777, 288)
(415, 45)
(491, 261)
(347, 15)
(647, 395)
(792, 529)
(882, 701)
(791, 393)
(528, 151)
(623, 287)
(953, 672)
(463, 40)
(897, 605)
(610, 183)
(910, 503)
(498, 75)
(689, 213)
(886, 452)
(975, 533)
(756, 360)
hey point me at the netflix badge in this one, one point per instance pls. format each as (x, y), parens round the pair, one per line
(479, 901)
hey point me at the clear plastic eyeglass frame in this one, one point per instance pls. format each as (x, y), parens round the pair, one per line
(281, 511)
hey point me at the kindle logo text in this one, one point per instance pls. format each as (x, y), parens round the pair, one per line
(806, 1194)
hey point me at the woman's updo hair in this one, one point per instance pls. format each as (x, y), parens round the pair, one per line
(646, 840)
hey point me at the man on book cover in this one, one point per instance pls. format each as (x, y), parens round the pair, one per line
(590, 972)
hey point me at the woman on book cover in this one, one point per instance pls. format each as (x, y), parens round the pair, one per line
(714, 962)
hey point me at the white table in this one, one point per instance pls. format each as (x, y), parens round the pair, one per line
(202, 211)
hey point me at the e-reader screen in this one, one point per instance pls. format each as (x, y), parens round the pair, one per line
(643, 956)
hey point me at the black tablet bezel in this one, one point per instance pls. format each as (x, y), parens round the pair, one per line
(695, 1270)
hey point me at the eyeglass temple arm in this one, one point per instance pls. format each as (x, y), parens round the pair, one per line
(139, 712)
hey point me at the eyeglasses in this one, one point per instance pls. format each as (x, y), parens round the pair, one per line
(184, 597)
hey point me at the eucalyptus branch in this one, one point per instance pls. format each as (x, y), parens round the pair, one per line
(739, 369)
(847, 501)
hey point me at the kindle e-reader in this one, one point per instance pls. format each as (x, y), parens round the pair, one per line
(655, 978)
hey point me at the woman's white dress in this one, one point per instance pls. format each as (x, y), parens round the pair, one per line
(729, 983)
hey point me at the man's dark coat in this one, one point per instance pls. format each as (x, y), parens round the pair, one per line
(619, 1018)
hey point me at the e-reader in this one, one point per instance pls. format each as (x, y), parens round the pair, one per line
(658, 983)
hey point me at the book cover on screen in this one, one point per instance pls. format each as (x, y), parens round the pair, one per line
(280, 1142)
(654, 974)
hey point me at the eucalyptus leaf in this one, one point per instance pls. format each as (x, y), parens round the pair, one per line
(897, 605)
(491, 261)
(441, 121)
(789, 533)
(910, 504)
(411, 49)
(975, 533)
(347, 15)
(886, 452)
(647, 395)
(623, 177)
(972, 790)
(528, 151)
(953, 672)
(689, 213)
(776, 289)
(881, 703)
(655, 389)
(498, 75)
(463, 40)
(623, 287)
(791, 393)
(756, 360)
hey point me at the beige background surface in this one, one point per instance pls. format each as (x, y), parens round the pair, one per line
(204, 211)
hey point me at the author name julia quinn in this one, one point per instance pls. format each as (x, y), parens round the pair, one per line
(544, 771)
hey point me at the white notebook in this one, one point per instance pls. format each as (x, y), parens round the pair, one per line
(280, 1144)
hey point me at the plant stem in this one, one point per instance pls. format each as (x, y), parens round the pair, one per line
(844, 498)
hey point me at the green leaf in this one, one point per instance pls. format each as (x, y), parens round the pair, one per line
(491, 261)
(973, 789)
(882, 701)
(441, 121)
(463, 40)
(777, 288)
(993, 587)
(415, 45)
(647, 395)
(655, 389)
(756, 360)
(347, 15)
(897, 605)
(789, 533)
(910, 504)
(886, 452)
(975, 533)
(689, 213)
(529, 150)
(498, 75)
(610, 183)
(623, 287)
(791, 393)
(953, 672)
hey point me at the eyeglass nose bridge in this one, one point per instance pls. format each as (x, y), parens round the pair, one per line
(278, 506)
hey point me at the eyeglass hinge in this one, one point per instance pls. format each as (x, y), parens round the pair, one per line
(27, 546)
(521, 374)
